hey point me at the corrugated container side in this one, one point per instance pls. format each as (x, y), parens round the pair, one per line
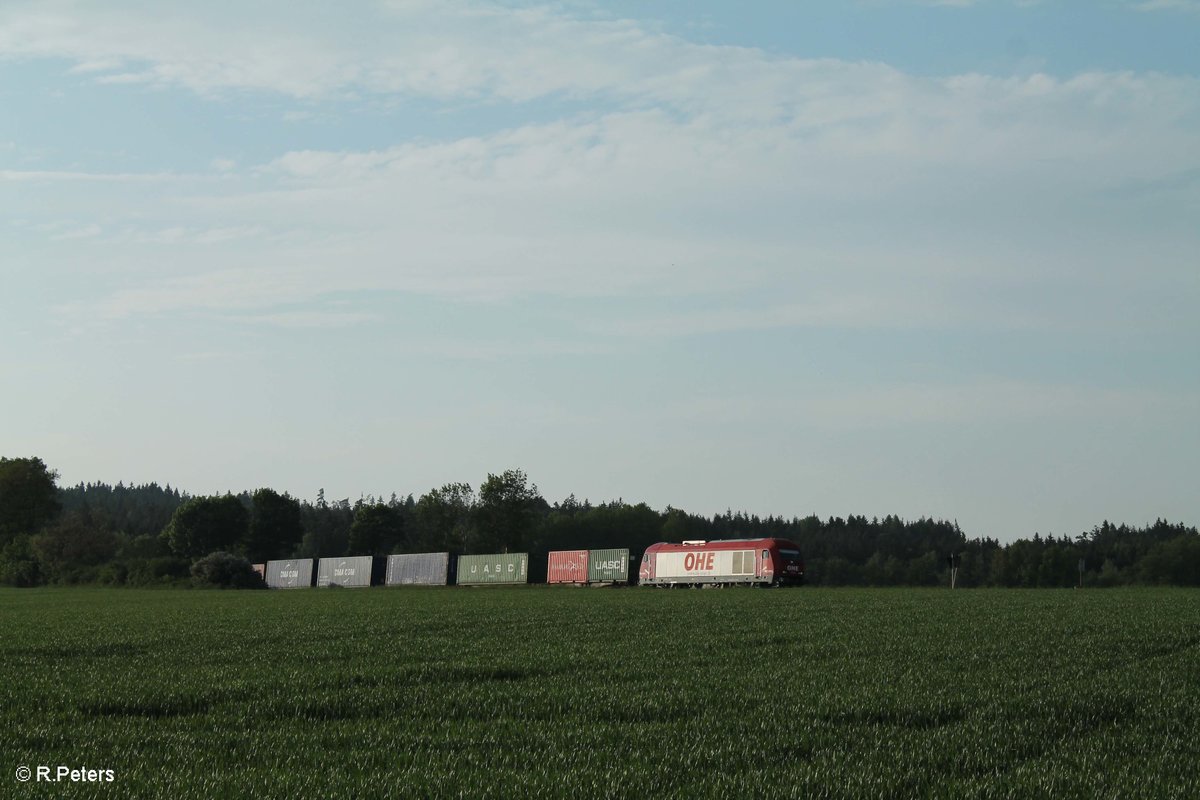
(497, 568)
(350, 571)
(430, 569)
(608, 566)
(290, 574)
(567, 566)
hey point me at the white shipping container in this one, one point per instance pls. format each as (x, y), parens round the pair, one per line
(290, 574)
(348, 571)
(428, 569)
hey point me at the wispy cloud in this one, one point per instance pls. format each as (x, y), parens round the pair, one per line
(61, 176)
(439, 50)
(310, 319)
(84, 232)
(184, 235)
(853, 191)
(908, 187)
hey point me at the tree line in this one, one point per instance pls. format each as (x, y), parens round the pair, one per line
(152, 535)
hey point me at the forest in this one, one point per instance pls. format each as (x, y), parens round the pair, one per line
(151, 535)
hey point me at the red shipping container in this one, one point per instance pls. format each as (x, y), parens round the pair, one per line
(567, 566)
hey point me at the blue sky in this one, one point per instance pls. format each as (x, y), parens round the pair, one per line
(930, 259)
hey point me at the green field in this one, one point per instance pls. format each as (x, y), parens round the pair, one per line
(547, 692)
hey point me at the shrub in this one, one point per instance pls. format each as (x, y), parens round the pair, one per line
(164, 571)
(113, 574)
(18, 566)
(225, 571)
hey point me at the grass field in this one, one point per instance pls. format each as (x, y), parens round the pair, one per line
(547, 692)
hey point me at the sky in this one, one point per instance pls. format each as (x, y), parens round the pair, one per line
(931, 259)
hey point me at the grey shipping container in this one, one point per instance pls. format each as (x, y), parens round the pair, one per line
(608, 566)
(348, 571)
(291, 574)
(430, 569)
(498, 568)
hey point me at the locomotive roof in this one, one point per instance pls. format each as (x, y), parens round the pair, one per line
(702, 543)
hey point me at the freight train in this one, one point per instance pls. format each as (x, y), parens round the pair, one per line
(762, 562)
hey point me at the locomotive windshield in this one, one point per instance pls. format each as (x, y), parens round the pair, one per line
(790, 554)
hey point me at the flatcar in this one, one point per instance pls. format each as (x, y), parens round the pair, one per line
(763, 562)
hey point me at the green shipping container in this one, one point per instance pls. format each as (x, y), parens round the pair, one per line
(608, 566)
(499, 568)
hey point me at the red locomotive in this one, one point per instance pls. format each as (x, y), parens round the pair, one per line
(767, 562)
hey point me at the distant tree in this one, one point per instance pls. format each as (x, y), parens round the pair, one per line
(1175, 561)
(834, 572)
(445, 519)
(680, 526)
(584, 527)
(206, 524)
(1109, 574)
(73, 548)
(326, 528)
(275, 526)
(927, 570)
(508, 511)
(18, 564)
(377, 529)
(28, 497)
(876, 570)
(132, 510)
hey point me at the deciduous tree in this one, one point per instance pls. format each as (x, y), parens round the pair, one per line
(275, 528)
(28, 497)
(377, 530)
(508, 511)
(203, 525)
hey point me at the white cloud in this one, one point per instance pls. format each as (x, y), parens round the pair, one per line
(313, 50)
(58, 176)
(885, 198)
(851, 190)
(84, 232)
(310, 319)
(183, 235)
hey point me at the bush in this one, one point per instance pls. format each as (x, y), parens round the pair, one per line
(223, 570)
(18, 566)
(114, 574)
(164, 571)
